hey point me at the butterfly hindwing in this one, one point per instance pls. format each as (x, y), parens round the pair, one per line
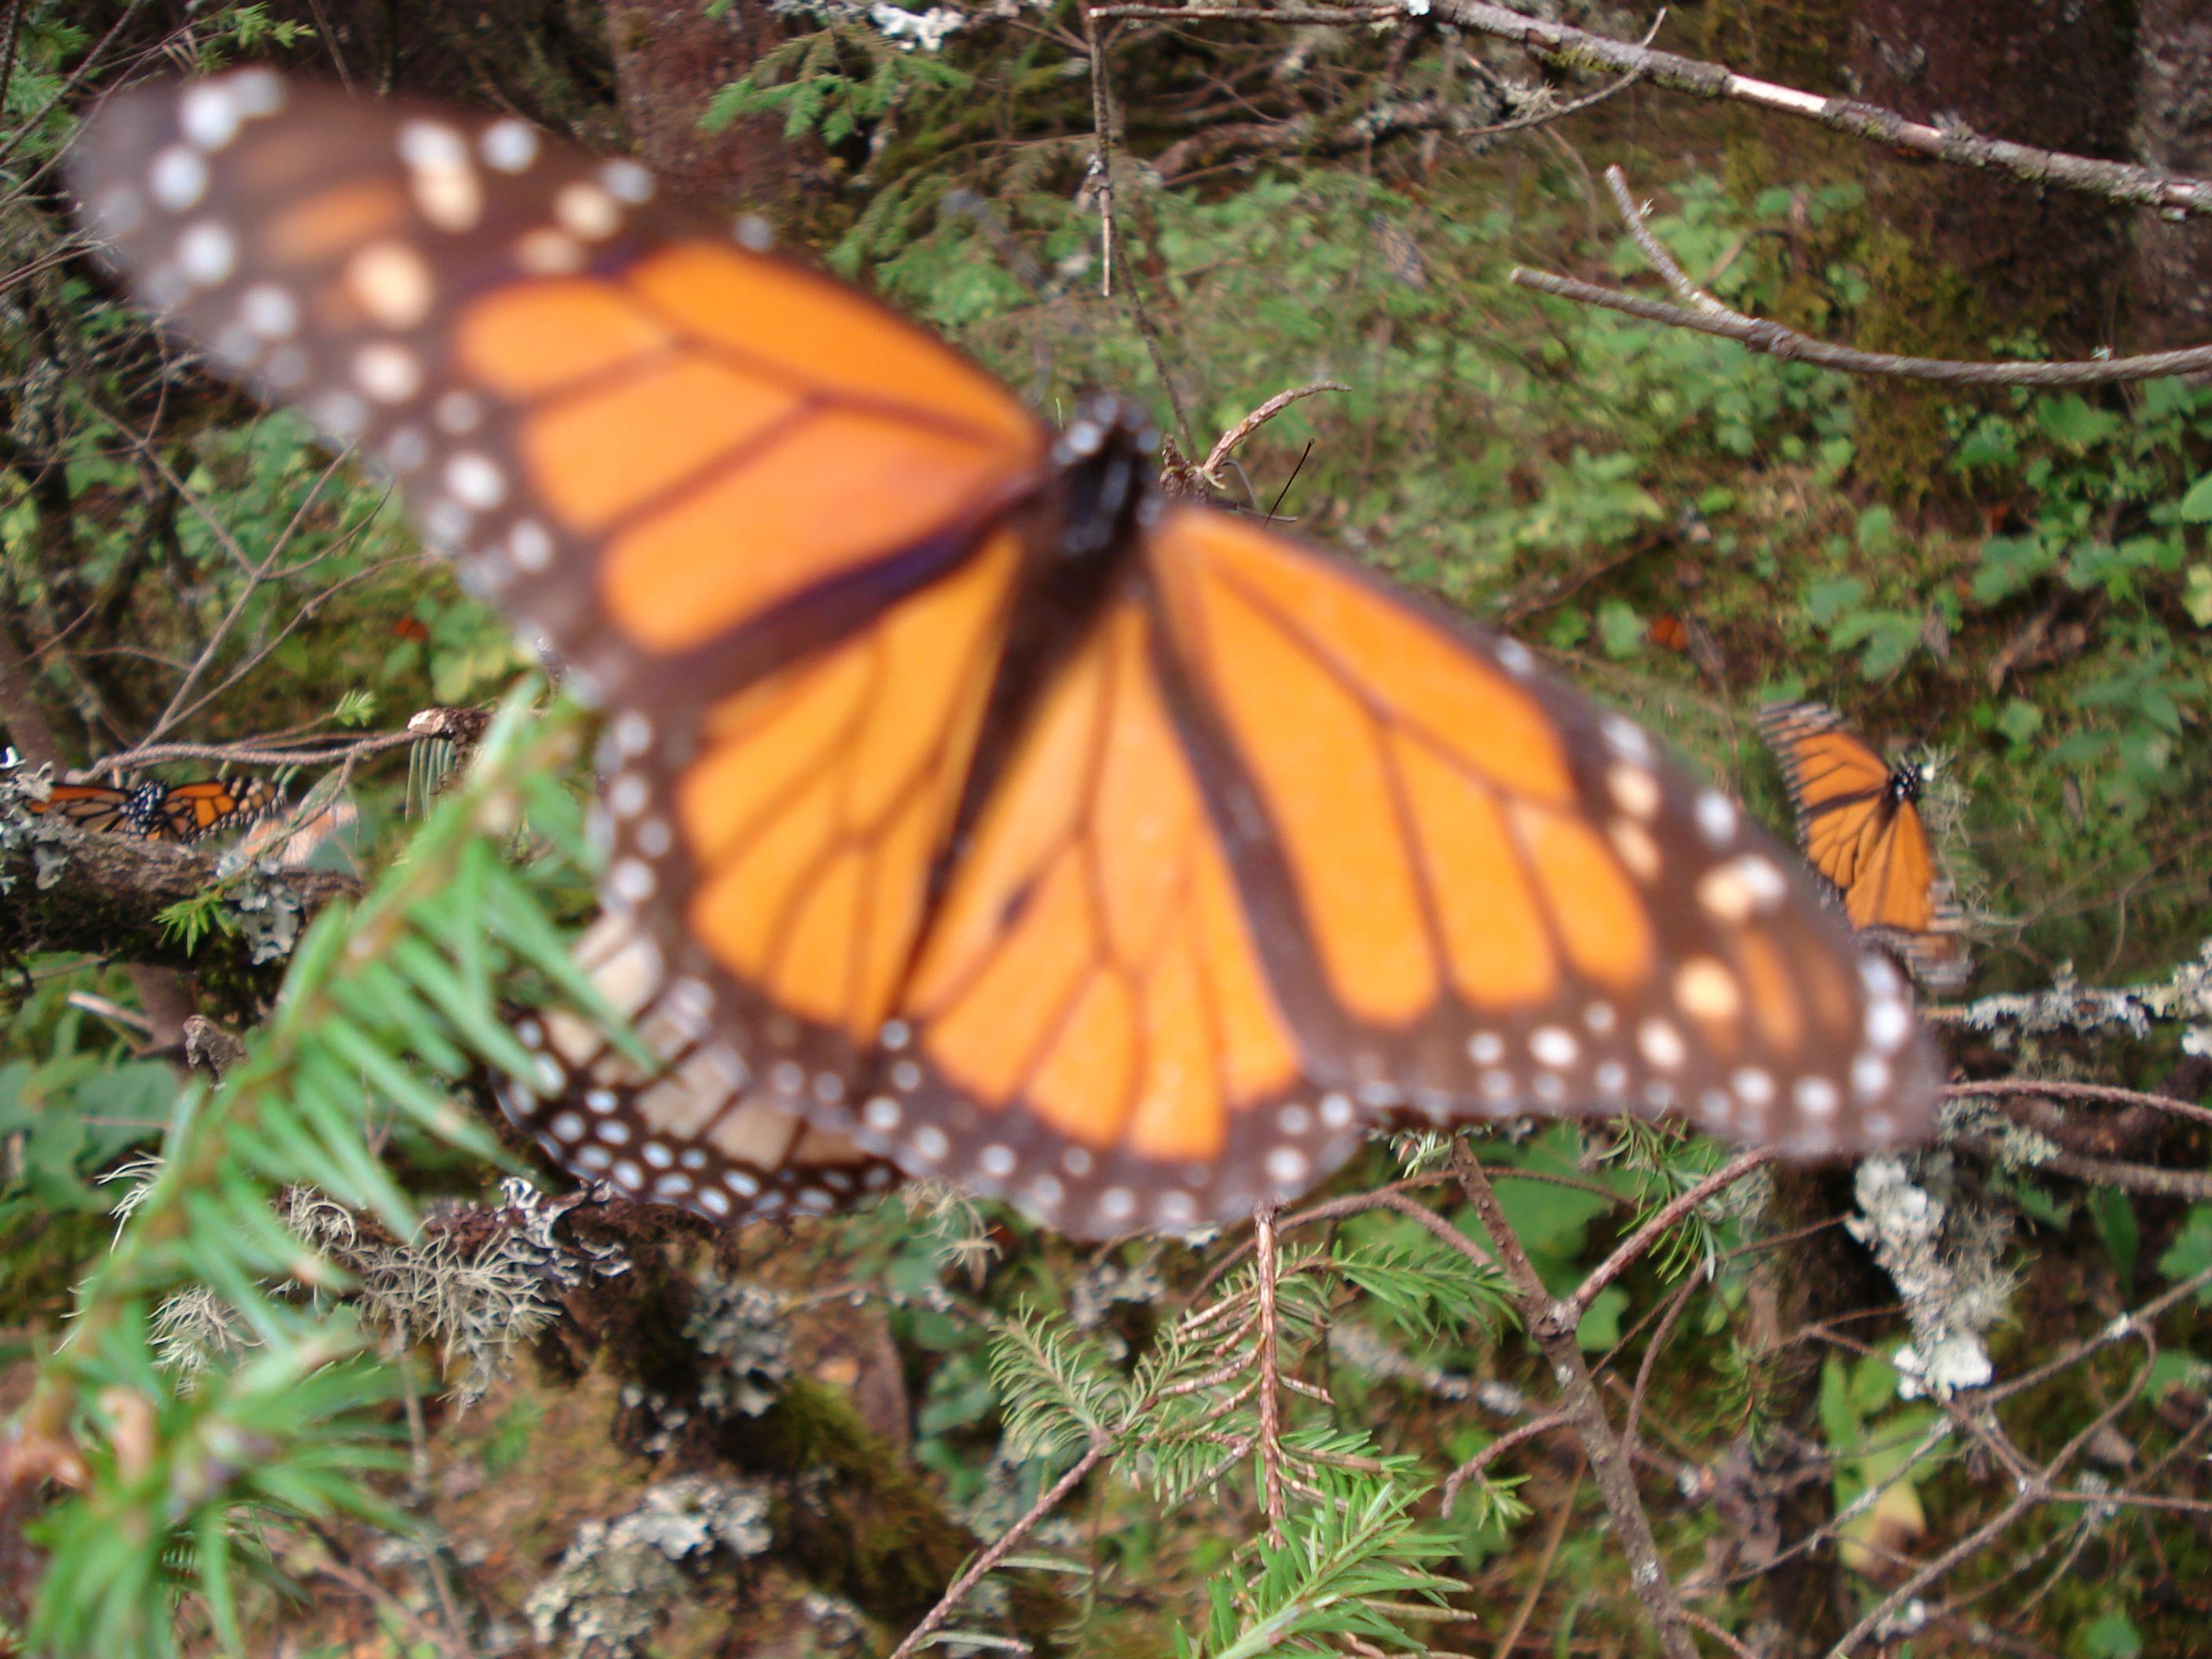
(783, 839)
(698, 1132)
(1089, 1028)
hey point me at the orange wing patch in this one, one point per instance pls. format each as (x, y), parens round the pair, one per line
(1474, 892)
(1089, 1013)
(820, 797)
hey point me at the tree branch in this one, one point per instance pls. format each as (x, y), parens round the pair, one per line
(1702, 314)
(1586, 53)
(102, 895)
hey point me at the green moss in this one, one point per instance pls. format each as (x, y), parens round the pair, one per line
(1917, 307)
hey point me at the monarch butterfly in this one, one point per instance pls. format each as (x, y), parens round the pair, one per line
(1859, 820)
(159, 811)
(1115, 855)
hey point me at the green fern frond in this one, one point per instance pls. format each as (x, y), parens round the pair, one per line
(1056, 1391)
(383, 1005)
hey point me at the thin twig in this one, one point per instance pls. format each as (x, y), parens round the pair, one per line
(1552, 1326)
(1579, 50)
(1496, 1449)
(1266, 1360)
(1760, 334)
(2193, 1185)
(957, 1592)
(2061, 1089)
(252, 754)
(1102, 115)
(1507, 1641)
(1642, 1239)
(1258, 418)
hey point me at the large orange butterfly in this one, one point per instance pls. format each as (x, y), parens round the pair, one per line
(1118, 856)
(1858, 817)
(159, 811)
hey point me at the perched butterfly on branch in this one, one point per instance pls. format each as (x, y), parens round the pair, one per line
(159, 811)
(969, 800)
(1859, 820)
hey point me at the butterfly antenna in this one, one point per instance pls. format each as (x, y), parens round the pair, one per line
(1288, 482)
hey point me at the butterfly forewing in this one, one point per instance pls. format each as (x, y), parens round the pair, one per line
(646, 437)
(1488, 896)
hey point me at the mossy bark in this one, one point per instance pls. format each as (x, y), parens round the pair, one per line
(1958, 260)
(2173, 272)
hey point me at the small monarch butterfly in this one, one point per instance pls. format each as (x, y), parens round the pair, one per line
(967, 798)
(159, 811)
(1858, 817)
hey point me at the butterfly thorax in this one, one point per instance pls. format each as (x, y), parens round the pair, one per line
(144, 806)
(1905, 786)
(1109, 457)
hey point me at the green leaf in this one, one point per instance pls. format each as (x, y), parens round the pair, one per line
(1620, 629)
(2072, 420)
(2115, 1216)
(2191, 1253)
(2113, 1636)
(2197, 504)
(2009, 565)
(2019, 720)
(2197, 594)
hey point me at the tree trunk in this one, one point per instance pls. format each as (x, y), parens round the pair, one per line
(1960, 258)
(2172, 275)
(669, 59)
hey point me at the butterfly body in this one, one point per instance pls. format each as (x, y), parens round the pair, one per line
(967, 798)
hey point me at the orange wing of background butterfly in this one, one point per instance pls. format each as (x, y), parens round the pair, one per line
(104, 808)
(214, 806)
(1859, 821)
(966, 799)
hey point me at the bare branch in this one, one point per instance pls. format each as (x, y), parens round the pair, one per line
(1552, 1326)
(1643, 1238)
(1702, 314)
(1259, 417)
(103, 895)
(1586, 53)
